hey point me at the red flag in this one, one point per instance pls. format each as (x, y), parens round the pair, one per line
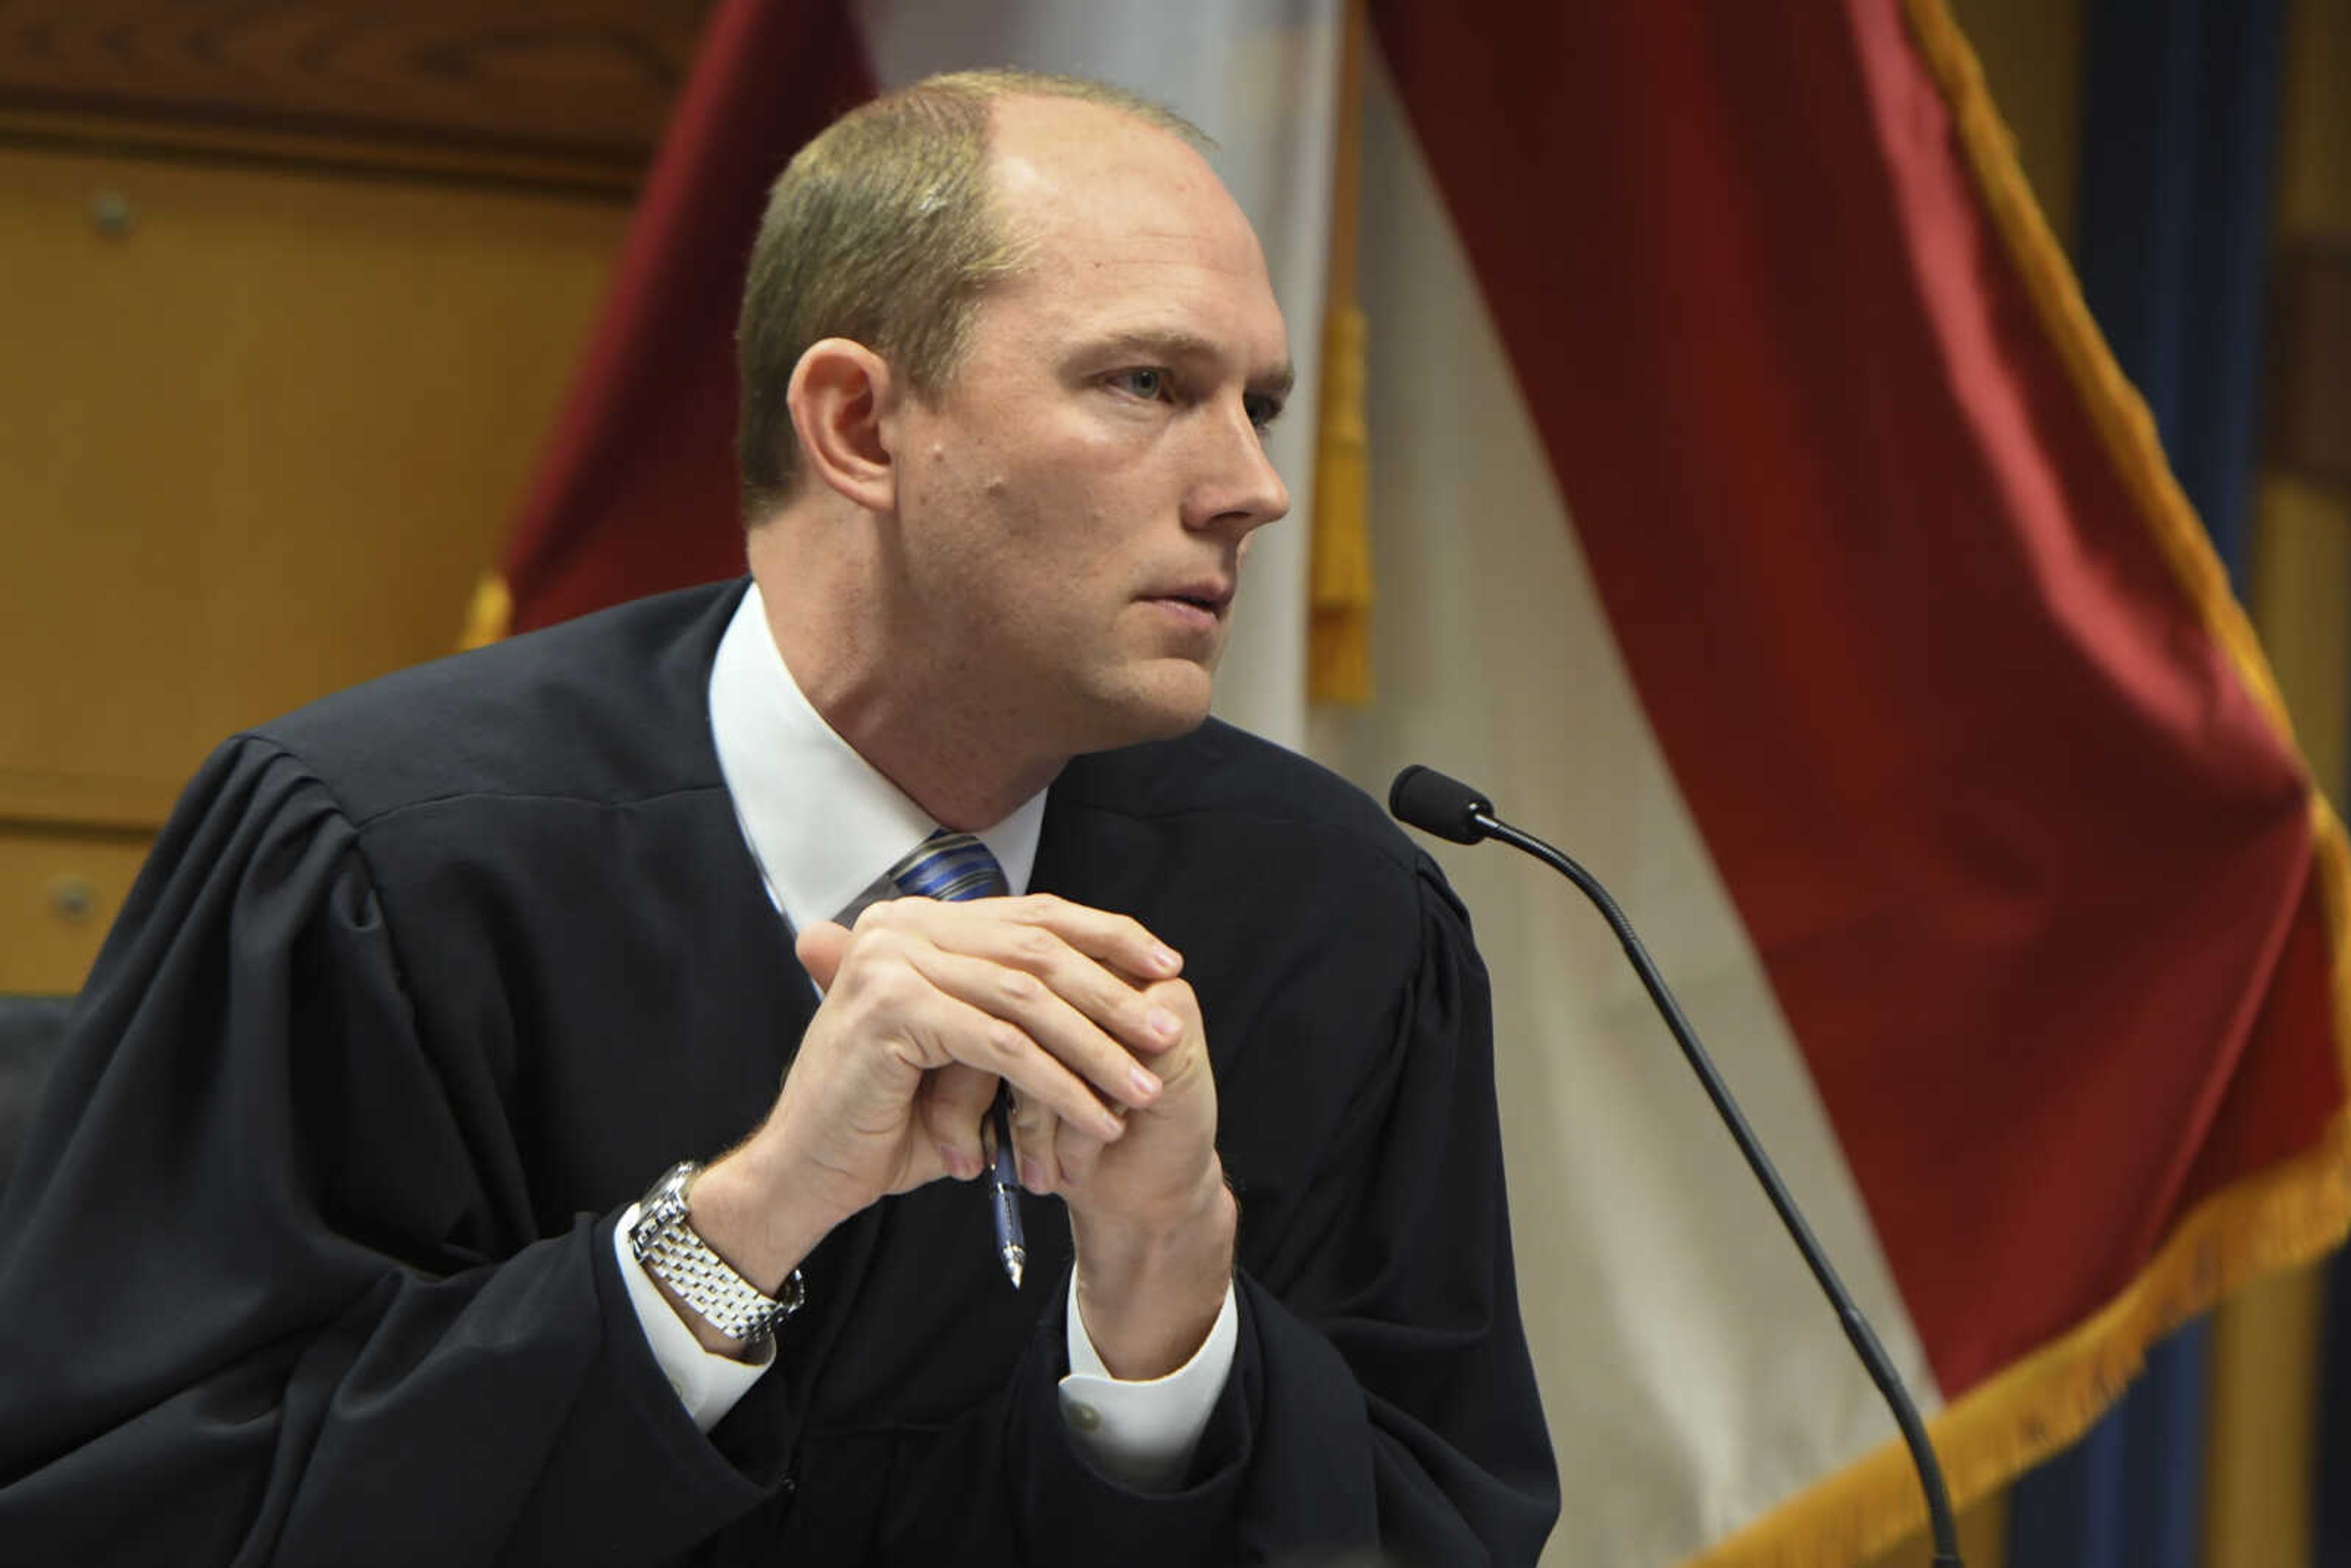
(1982, 749)
(637, 490)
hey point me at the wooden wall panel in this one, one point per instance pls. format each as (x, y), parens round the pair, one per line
(60, 891)
(574, 90)
(255, 445)
(2308, 397)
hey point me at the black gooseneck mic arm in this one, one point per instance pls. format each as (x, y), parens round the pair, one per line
(1450, 809)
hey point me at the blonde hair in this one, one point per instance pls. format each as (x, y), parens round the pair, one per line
(883, 230)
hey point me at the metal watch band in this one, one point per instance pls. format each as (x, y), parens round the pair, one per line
(665, 1241)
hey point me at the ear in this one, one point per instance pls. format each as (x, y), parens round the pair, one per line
(841, 394)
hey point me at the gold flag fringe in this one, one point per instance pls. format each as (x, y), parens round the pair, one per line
(1338, 623)
(490, 616)
(2294, 1211)
(1338, 669)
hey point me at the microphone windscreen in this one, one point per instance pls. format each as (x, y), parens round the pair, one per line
(1425, 799)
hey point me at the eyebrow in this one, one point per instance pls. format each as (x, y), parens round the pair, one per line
(1274, 381)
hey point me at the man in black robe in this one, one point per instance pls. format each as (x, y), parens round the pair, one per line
(324, 1249)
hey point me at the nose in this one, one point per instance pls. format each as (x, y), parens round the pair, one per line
(1237, 490)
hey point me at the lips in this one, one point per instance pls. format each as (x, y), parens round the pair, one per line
(1214, 595)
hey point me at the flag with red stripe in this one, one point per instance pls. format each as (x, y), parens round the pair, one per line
(1923, 716)
(636, 490)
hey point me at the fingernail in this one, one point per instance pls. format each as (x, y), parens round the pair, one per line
(1163, 1023)
(1166, 958)
(1032, 1175)
(1146, 1082)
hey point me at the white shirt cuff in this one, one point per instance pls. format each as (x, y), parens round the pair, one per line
(708, 1383)
(1144, 1433)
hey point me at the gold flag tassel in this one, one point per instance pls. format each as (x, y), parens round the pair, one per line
(1339, 653)
(490, 616)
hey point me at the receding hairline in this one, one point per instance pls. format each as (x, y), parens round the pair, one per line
(995, 84)
(994, 88)
(999, 153)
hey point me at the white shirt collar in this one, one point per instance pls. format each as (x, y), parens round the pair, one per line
(823, 823)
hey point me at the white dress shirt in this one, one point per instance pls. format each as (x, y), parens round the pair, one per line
(823, 827)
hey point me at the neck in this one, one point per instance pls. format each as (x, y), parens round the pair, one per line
(835, 628)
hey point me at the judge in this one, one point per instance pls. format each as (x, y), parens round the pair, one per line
(417, 1186)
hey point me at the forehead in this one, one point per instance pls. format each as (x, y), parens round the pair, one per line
(1124, 228)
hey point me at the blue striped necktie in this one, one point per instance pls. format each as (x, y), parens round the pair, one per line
(950, 866)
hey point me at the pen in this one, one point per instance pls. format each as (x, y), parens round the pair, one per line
(1004, 1191)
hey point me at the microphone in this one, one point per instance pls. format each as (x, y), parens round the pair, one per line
(1425, 799)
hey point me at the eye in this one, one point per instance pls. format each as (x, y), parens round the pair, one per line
(1149, 382)
(1262, 411)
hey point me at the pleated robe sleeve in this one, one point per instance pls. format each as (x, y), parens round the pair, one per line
(269, 1286)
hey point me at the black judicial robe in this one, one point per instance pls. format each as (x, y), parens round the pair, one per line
(309, 1257)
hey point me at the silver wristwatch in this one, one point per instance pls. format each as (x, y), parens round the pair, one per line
(664, 1240)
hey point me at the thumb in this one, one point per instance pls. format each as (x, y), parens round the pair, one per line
(821, 948)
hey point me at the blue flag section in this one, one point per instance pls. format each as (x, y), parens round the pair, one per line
(2178, 132)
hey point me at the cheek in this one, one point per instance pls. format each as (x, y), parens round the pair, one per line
(1052, 513)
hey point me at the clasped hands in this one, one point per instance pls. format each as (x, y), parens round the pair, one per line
(927, 1006)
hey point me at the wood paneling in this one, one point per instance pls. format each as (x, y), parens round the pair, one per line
(574, 90)
(2313, 194)
(59, 893)
(2308, 397)
(257, 439)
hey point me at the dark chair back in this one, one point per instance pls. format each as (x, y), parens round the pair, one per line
(32, 1028)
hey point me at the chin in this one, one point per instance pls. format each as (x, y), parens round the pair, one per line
(1158, 708)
